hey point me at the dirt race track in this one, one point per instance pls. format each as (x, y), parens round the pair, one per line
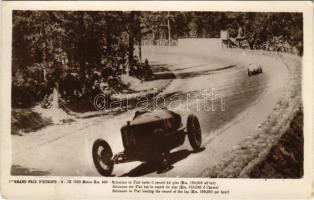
(65, 150)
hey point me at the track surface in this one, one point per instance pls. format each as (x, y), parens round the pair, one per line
(65, 150)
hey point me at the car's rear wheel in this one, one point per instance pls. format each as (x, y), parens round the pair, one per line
(194, 132)
(102, 157)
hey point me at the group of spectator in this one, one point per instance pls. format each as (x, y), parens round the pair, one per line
(160, 42)
(275, 44)
(141, 71)
(279, 44)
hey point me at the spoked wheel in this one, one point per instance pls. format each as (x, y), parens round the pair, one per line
(194, 132)
(102, 157)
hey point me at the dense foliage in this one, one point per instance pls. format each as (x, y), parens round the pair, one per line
(59, 42)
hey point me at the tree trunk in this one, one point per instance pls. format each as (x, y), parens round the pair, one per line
(45, 74)
(169, 30)
(57, 74)
(131, 39)
(139, 39)
(108, 35)
(81, 59)
(109, 43)
(140, 48)
(55, 96)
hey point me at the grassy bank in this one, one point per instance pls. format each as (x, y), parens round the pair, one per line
(285, 159)
(26, 120)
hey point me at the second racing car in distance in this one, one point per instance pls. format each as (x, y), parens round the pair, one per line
(254, 69)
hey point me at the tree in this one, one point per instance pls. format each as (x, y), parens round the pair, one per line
(131, 31)
(53, 41)
(43, 41)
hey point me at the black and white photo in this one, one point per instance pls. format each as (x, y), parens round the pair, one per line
(138, 99)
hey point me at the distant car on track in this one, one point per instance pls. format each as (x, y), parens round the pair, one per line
(149, 137)
(254, 69)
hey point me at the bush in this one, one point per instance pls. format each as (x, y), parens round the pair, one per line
(26, 92)
(25, 120)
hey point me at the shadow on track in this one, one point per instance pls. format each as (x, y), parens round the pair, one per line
(147, 168)
(17, 170)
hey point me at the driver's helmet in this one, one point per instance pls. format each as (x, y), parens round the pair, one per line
(139, 112)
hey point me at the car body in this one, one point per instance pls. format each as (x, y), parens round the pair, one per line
(254, 69)
(149, 137)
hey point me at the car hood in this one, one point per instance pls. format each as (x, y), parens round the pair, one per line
(155, 116)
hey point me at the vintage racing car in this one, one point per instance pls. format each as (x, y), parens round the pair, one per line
(254, 69)
(149, 137)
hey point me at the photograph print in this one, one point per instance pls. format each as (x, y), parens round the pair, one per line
(157, 93)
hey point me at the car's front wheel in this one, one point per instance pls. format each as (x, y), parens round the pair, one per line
(194, 132)
(102, 157)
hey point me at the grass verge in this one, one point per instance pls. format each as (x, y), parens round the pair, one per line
(26, 120)
(285, 160)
